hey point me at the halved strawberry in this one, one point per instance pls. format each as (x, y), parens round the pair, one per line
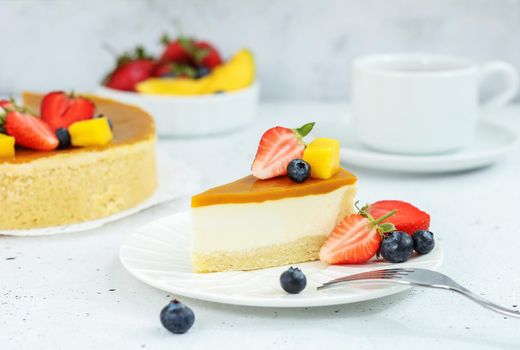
(278, 146)
(60, 110)
(407, 218)
(355, 240)
(30, 131)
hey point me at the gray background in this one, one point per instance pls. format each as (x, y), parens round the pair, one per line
(303, 47)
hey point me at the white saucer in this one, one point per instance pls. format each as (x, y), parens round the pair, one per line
(491, 142)
(159, 255)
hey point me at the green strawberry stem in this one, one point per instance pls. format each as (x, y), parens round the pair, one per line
(384, 217)
(304, 130)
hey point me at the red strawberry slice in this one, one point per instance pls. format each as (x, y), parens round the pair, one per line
(356, 239)
(407, 218)
(278, 146)
(60, 110)
(207, 55)
(30, 131)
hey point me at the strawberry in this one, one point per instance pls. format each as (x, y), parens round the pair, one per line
(30, 131)
(184, 50)
(407, 218)
(356, 239)
(206, 55)
(60, 110)
(131, 69)
(176, 51)
(278, 146)
(169, 69)
(6, 104)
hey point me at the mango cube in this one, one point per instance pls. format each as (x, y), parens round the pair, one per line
(322, 154)
(91, 132)
(6, 146)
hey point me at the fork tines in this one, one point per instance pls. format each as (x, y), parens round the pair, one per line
(384, 274)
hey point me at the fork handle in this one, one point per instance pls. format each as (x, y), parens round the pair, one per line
(486, 303)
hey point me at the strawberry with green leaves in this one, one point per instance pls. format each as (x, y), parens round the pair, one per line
(131, 68)
(59, 109)
(356, 239)
(277, 148)
(189, 51)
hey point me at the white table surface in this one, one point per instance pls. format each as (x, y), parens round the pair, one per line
(71, 292)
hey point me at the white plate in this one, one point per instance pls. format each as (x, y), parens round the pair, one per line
(175, 178)
(159, 255)
(490, 143)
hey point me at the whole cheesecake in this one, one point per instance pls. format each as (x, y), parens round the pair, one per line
(251, 223)
(43, 189)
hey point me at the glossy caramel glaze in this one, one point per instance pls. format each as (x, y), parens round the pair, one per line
(250, 189)
(131, 124)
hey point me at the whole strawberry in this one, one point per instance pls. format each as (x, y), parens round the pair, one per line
(206, 55)
(131, 69)
(408, 218)
(176, 51)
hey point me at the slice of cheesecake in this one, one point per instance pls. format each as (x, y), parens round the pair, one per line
(251, 224)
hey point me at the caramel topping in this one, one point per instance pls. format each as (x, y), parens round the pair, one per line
(131, 124)
(252, 190)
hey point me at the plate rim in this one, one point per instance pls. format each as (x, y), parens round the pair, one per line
(285, 301)
(437, 163)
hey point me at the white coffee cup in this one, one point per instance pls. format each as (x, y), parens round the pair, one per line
(422, 103)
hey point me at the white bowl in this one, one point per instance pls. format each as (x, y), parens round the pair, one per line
(194, 115)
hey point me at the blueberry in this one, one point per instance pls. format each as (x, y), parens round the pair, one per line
(298, 170)
(177, 317)
(397, 247)
(202, 72)
(423, 241)
(293, 280)
(63, 137)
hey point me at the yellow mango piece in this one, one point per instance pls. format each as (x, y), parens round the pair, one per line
(91, 132)
(6, 146)
(173, 86)
(322, 154)
(237, 73)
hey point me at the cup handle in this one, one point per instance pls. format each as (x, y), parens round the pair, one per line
(512, 84)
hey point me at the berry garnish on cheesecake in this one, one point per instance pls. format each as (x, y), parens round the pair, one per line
(278, 147)
(60, 110)
(60, 113)
(30, 132)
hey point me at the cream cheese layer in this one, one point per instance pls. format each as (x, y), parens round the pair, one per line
(243, 226)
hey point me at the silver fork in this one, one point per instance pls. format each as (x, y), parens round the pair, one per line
(418, 278)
